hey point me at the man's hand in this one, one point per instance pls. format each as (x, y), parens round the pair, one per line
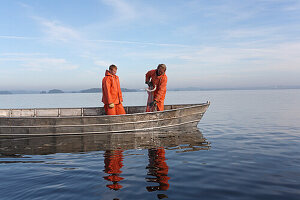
(111, 105)
(150, 84)
(153, 103)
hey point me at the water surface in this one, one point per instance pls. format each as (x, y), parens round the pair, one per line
(246, 147)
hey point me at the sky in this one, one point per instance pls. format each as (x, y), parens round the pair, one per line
(68, 44)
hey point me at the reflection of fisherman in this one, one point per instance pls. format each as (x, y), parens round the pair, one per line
(113, 164)
(158, 168)
(111, 92)
(157, 79)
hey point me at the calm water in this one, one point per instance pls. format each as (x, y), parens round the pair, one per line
(247, 146)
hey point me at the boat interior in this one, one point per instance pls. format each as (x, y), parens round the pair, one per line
(69, 112)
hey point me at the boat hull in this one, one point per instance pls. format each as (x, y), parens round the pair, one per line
(177, 115)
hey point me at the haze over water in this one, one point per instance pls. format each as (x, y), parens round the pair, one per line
(247, 148)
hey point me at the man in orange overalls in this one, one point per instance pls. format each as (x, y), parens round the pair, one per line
(113, 164)
(158, 168)
(111, 92)
(157, 77)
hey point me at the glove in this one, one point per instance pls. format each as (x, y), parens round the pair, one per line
(153, 103)
(150, 84)
(111, 105)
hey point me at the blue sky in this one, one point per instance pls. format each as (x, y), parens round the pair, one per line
(68, 44)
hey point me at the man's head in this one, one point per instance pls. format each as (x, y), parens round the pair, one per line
(113, 69)
(161, 69)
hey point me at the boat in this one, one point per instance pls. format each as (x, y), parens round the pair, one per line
(90, 120)
(180, 139)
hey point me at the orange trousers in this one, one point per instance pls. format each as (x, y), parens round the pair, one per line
(160, 106)
(118, 109)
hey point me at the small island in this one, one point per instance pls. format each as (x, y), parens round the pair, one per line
(5, 92)
(99, 90)
(91, 90)
(55, 91)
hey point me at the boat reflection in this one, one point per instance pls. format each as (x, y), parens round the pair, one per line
(179, 139)
(183, 139)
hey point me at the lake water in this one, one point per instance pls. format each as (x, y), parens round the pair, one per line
(247, 146)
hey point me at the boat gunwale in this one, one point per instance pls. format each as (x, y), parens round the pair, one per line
(119, 123)
(106, 116)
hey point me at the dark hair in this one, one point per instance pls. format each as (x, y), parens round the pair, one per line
(162, 66)
(112, 67)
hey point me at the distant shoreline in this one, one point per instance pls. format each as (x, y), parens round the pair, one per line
(98, 90)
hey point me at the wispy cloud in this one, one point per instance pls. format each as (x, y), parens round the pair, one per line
(251, 32)
(215, 59)
(139, 43)
(55, 30)
(18, 37)
(266, 35)
(21, 54)
(295, 6)
(41, 64)
(37, 62)
(24, 5)
(63, 37)
(123, 10)
(131, 13)
(102, 63)
(215, 39)
(230, 11)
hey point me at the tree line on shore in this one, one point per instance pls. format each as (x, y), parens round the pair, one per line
(99, 90)
(57, 91)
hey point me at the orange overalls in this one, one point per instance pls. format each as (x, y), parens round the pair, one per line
(113, 164)
(158, 168)
(161, 88)
(111, 93)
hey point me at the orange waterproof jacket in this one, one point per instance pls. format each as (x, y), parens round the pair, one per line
(111, 91)
(161, 84)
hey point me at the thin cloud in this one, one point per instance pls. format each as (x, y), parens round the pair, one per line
(35, 62)
(123, 13)
(231, 11)
(18, 37)
(267, 34)
(280, 57)
(295, 6)
(42, 64)
(63, 37)
(57, 31)
(123, 10)
(21, 54)
(25, 5)
(254, 32)
(138, 43)
(102, 63)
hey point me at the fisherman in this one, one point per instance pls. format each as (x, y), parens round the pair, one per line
(157, 79)
(158, 168)
(113, 164)
(111, 92)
